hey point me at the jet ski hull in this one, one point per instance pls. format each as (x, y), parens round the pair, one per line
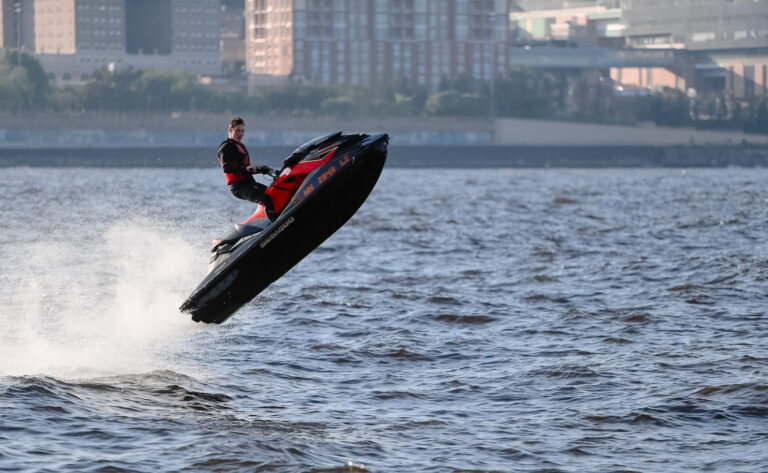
(326, 200)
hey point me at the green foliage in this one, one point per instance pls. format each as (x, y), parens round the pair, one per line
(23, 82)
(408, 105)
(453, 102)
(165, 90)
(223, 102)
(65, 98)
(758, 119)
(148, 90)
(295, 99)
(527, 93)
(669, 108)
(343, 105)
(524, 92)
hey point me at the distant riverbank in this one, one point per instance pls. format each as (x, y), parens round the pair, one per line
(157, 140)
(417, 156)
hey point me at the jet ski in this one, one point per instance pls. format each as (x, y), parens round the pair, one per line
(319, 187)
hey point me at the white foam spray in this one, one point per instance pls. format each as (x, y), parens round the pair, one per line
(106, 305)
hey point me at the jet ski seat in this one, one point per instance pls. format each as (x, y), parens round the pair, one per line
(241, 230)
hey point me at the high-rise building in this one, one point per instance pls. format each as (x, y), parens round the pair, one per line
(72, 38)
(232, 36)
(369, 42)
(7, 25)
(15, 19)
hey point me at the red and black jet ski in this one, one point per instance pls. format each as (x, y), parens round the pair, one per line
(320, 186)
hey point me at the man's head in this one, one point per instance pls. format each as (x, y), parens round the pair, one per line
(237, 129)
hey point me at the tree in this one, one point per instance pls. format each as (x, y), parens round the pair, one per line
(112, 90)
(758, 122)
(23, 82)
(453, 102)
(528, 93)
(668, 108)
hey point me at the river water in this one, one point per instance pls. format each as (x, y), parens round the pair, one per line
(462, 321)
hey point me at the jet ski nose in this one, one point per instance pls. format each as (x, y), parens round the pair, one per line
(380, 142)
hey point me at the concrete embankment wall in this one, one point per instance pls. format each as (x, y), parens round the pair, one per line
(518, 132)
(71, 139)
(464, 157)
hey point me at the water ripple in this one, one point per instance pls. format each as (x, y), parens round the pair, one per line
(462, 321)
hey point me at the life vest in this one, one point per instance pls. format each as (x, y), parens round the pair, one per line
(244, 158)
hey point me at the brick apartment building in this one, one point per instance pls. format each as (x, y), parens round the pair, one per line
(369, 42)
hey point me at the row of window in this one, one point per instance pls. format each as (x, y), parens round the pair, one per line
(185, 35)
(363, 77)
(87, 33)
(199, 11)
(196, 47)
(212, 24)
(726, 35)
(99, 19)
(402, 57)
(101, 8)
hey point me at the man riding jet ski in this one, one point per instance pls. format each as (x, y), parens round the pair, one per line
(320, 186)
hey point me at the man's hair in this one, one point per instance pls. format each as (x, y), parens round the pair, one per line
(236, 121)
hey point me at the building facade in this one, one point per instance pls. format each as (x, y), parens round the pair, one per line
(725, 41)
(696, 25)
(232, 38)
(589, 25)
(370, 42)
(72, 38)
(7, 25)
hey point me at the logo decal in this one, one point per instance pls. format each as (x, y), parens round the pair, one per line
(324, 176)
(277, 232)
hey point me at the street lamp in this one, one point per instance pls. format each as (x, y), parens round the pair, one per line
(17, 14)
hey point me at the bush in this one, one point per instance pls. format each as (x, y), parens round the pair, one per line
(67, 98)
(452, 102)
(527, 93)
(669, 108)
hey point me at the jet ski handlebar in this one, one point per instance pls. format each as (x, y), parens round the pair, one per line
(273, 173)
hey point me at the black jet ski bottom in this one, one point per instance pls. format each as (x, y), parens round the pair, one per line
(269, 254)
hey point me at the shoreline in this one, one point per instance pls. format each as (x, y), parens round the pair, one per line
(457, 157)
(99, 139)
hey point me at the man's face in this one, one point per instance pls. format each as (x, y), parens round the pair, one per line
(237, 132)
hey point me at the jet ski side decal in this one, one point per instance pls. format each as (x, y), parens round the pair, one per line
(277, 232)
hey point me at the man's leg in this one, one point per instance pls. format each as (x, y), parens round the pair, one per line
(253, 192)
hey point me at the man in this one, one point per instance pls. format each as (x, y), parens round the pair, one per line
(234, 160)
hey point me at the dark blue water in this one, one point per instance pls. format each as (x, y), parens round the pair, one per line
(490, 320)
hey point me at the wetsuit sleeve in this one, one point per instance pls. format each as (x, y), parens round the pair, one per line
(230, 159)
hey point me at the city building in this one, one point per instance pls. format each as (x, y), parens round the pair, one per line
(538, 5)
(72, 38)
(370, 42)
(232, 37)
(7, 25)
(725, 44)
(696, 25)
(587, 25)
(15, 22)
